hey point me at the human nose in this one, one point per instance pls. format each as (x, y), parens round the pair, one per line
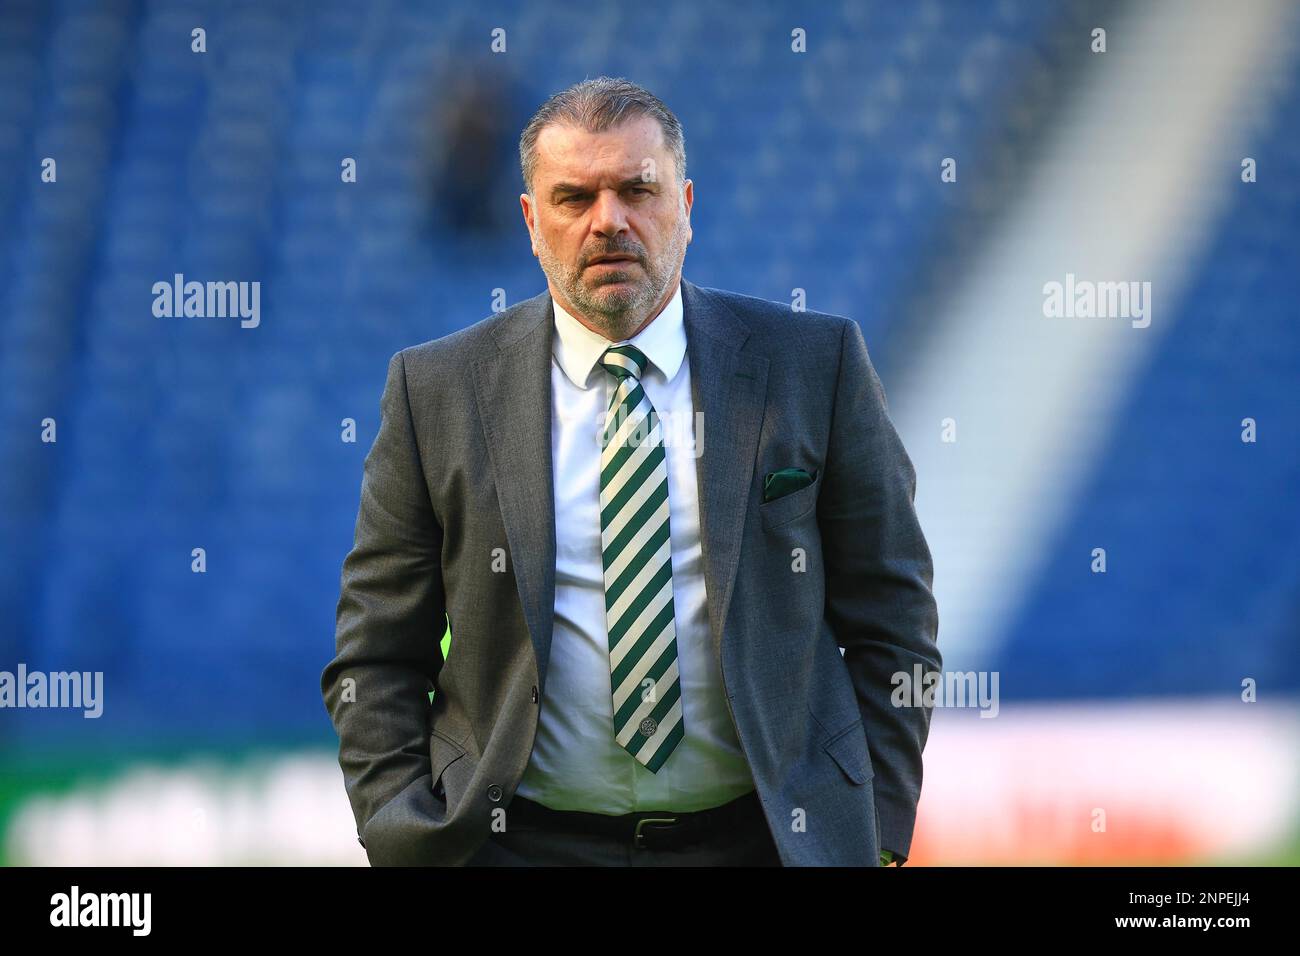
(608, 215)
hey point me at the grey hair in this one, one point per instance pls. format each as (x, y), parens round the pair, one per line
(596, 105)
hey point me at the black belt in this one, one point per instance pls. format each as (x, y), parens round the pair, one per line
(647, 830)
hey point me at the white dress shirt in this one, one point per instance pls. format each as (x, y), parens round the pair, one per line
(576, 764)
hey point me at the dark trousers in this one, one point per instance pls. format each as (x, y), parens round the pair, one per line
(746, 843)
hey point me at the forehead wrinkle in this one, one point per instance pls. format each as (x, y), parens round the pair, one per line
(615, 180)
(571, 165)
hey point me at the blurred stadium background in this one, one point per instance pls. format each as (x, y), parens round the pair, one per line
(817, 171)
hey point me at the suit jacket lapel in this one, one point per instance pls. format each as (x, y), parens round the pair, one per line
(729, 389)
(513, 390)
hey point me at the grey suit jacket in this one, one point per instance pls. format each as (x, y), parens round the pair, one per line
(460, 474)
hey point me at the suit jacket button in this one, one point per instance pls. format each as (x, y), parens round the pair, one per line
(534, 693)
(494, 793)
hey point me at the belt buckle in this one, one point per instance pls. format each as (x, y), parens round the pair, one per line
(638, 838)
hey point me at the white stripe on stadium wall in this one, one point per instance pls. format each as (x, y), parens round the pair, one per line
(1131, 187)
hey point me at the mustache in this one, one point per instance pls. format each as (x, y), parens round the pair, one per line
(636, 252)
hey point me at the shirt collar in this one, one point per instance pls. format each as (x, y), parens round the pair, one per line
(578, 349)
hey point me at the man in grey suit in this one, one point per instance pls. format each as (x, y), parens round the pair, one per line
(672, 531)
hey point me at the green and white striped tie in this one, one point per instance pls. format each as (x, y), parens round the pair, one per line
(637, 552)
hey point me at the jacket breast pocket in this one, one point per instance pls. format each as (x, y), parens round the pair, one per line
(790, 507)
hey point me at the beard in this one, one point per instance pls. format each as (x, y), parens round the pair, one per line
(617, 301)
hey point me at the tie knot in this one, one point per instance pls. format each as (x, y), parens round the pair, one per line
(624, 360)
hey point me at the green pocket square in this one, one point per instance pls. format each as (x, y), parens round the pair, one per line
(781, 483)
